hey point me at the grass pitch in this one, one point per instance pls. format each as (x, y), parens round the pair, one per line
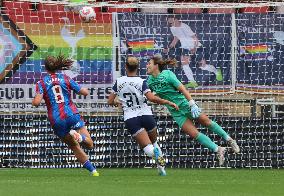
(138, 182)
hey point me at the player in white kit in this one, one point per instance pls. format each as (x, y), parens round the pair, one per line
(190, 45)
(133, 93)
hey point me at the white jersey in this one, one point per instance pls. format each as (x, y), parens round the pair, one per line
(185, 35)
(131, 93)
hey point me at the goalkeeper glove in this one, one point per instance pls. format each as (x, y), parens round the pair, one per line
(195, 110)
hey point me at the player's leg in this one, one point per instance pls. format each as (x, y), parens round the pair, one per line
(79, 154)
(185, 61)
(86, 138)
(79, 131)
(61, 129)
(201, 59)
(135, 128)
(151, 127)
(217, 129)
(189, 128)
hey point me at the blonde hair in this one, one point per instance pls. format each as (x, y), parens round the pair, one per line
(132, 64)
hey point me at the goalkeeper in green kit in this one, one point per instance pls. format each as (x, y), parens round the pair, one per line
(166, 85)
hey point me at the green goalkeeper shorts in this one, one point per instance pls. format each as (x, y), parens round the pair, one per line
(181, 115)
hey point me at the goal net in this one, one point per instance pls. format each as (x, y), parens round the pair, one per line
(229, 57)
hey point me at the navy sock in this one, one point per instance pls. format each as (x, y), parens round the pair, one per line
(89, 166)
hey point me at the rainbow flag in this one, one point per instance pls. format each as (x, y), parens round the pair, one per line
(90, 44)
(254, 49)
(142, 48)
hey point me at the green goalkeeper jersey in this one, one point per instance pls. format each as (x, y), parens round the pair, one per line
(165, 86)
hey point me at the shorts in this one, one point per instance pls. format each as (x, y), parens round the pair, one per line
(62, 127)
(197, 56)
(137, 124)
(181, 115)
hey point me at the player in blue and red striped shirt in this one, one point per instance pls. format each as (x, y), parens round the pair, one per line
(55, 89)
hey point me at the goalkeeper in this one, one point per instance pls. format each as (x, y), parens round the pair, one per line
(166, 85)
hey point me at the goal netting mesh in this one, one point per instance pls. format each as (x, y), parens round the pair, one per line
(230, 57)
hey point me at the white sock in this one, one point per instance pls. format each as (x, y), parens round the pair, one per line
(156, 145)
(209, 68)
(188, 72)
(149, 150)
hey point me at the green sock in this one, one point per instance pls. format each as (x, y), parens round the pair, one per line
(206, 141)
(218, 130)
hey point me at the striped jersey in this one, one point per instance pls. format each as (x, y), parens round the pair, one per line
(131, 91)
(56, 90)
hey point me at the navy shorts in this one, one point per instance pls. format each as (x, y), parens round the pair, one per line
(137, 124)
(197, 56)
(62, 127)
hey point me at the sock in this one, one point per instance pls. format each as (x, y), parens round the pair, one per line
(89, 166)
(207, 142)
(156, 145)
(209, 68)
(149, 150)
(188, 72)
(215, 128)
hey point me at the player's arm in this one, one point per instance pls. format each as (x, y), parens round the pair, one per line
(39, 95)
(174, 42)
(196, 41)
(151, 97)
(77, 88)
(112, 99)
(37, 99)
(155, 99)
(83, 91)
(195, 110)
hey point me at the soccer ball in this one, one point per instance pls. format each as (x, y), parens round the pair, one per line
(87, 14)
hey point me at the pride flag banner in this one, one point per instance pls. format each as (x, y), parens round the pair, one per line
(54, 33)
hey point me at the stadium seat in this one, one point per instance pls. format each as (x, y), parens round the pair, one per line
(17, 5)
(187, 10)
(222, 10)
(264, 9)
(51, 7)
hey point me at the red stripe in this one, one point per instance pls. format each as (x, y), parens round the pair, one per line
(71, 104)
(47, 102)
(61, 106)
(18, 15)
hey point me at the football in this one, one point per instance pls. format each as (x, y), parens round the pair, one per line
(87, 14)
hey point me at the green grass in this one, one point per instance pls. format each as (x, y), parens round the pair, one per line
(136, 182)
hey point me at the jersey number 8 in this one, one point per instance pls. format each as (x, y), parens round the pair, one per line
(57, 91)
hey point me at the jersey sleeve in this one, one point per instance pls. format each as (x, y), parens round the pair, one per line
(114, 87)
(39, 89)
(173, 79)
(74, 86)
(145, 88)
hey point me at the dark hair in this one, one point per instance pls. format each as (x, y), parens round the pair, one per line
(132, 64)
(158, 60)
(60, 62)
(174, 16)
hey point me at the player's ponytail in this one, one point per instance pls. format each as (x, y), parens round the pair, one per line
(158, 60)
(60, 62)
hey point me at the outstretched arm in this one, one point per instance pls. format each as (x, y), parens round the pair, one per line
(195, 110)
(83, 91)
(151, 97)
(174, 42)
